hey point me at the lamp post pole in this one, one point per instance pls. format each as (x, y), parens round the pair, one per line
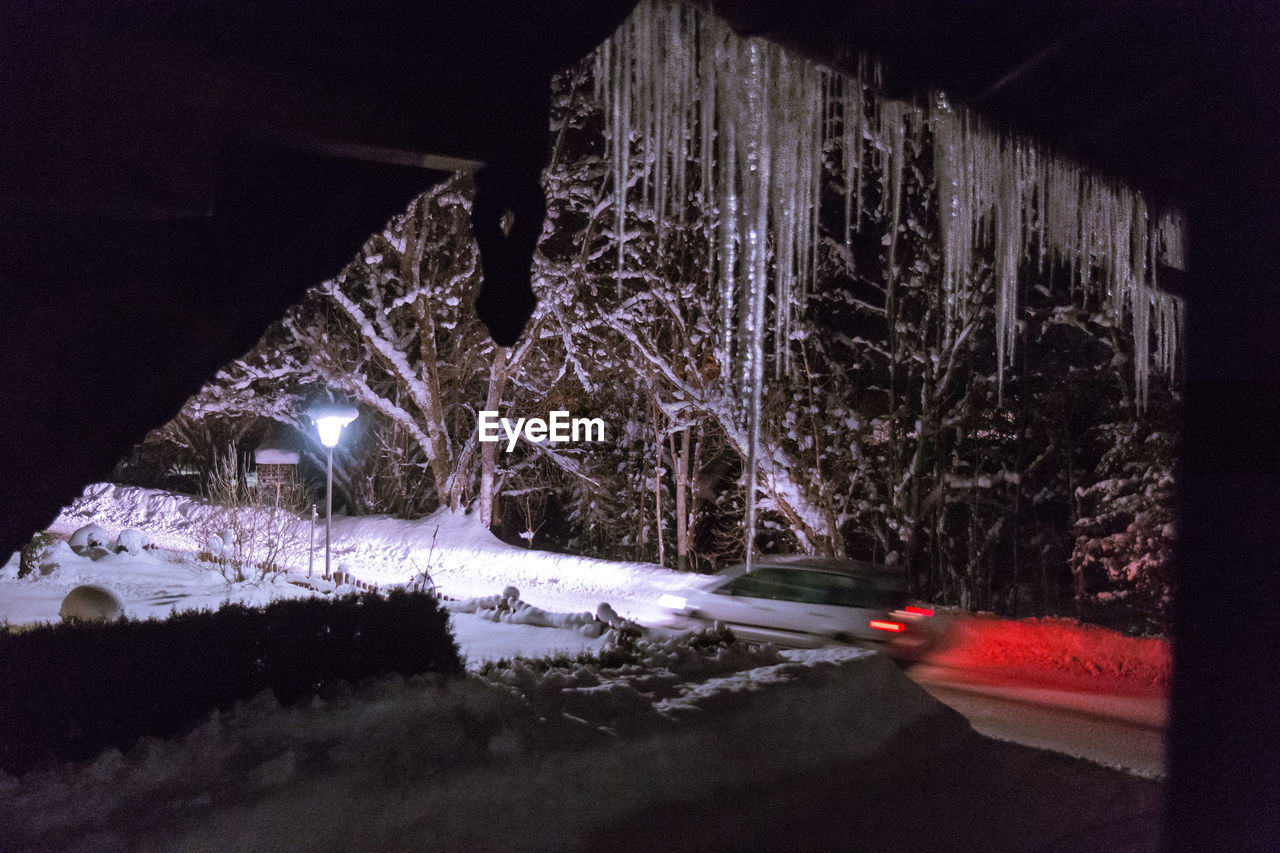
(329, 419)
(328, 515)
(311, 542)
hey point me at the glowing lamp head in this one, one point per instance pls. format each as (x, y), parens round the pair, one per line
(329, 419)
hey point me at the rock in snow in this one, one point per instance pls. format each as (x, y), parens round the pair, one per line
(92, 603)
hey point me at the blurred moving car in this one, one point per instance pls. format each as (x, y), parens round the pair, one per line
(810, 601)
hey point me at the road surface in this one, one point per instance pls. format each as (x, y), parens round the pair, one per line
(1116, 730)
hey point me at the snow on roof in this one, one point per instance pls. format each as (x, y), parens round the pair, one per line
(275, 456)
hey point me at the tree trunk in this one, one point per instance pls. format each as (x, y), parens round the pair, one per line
(657, 487)
(489, 450)
(682, 511)
(440, 449)
(695, 498)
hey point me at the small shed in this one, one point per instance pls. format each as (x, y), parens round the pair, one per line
(276, 463)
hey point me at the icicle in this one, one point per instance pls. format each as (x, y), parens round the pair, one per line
(855, 103)
(727, 207)
(707, 106)
(851, 118)
(622, 146)
(683, 111)
(1009, 242)
(954, 169)
(781, 209)
(944, 168)
(675, 82)
(1142, 305)
(661, 128)
(817, 145)
(644, 84)
(1004, 194)
(1172, 239)
(757, 185)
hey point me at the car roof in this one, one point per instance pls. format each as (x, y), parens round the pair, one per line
(860, 568)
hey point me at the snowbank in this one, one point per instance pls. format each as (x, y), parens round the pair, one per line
(1057, 649)
(155, 583)
(523, 757)
(464, 558)
(467, 561)
(513, 756)
(150, 584)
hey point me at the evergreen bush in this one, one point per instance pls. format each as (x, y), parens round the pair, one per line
(75, 689)
(29, 559)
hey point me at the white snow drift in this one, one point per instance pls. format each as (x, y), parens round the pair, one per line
(521, 758)
(521, 755)
(463, 557)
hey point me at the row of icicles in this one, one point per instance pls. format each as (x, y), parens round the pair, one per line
(744, 123)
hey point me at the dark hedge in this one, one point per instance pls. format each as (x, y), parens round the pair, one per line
(69, 691)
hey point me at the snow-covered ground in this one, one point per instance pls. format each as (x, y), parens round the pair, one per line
(523, 755)
(517, 759)
(464, 558)
(152, 584)
(514, 757)
(156, 583)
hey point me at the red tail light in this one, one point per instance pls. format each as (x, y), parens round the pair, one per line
(882, 625)
(919, 611)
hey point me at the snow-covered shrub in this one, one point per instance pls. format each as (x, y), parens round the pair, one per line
(422, 581)
(633, 654)
(251, 536)
(34, 552)
(91, 603)
(132, 542)
(507, 607)
(130, 678)
(88, 537)
(1126, 530)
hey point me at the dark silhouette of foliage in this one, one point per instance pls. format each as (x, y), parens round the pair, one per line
(74, 689)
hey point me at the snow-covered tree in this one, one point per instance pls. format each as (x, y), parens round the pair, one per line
(897, 330)
(1126, 528)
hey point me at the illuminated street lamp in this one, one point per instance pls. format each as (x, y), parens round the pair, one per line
(329, 419)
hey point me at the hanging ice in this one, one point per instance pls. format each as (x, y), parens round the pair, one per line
(745, 125)
(1008, 195)
(677, 88)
